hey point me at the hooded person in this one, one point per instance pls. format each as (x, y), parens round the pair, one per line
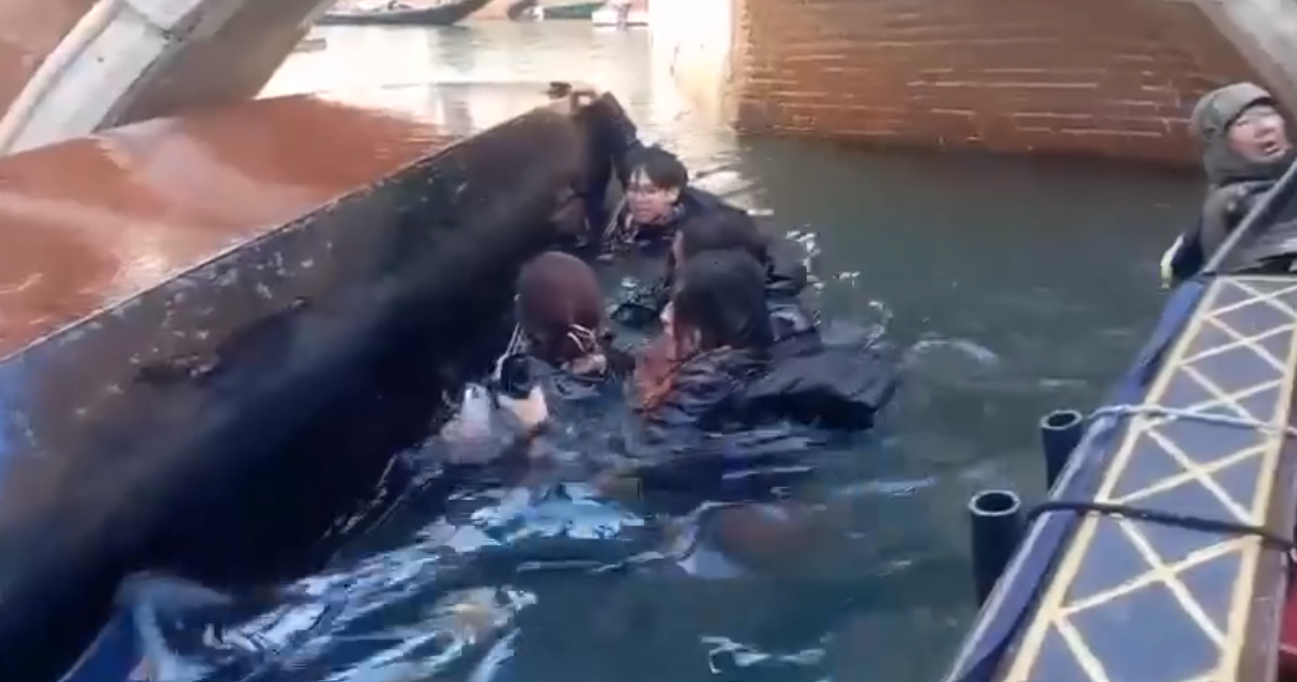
(1245, 150)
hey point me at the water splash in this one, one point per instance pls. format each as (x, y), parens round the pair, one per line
(953, 360)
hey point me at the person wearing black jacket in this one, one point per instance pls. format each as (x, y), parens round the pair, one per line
(722, 230)
(658, 199)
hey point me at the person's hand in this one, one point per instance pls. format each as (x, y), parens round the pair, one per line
(570, 99)
(532, 411)
(595, 364)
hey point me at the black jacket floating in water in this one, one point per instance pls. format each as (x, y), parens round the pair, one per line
(803, 380)
(786, 279)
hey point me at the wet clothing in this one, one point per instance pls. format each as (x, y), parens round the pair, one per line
(565, 385)
(731, 411)
(786, 279)
(800, 380)
(729, 391)
(1235, 182)
(620, 140)
(656, 239)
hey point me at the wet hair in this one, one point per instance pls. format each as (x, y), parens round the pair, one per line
(557, 293)
(722, 229)
(722, 295)
(662, 168)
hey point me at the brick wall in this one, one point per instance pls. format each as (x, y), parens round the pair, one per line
(1106, 77)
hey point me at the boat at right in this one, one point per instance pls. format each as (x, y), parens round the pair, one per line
(1163, 551)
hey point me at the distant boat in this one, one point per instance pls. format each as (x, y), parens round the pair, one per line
(399, 14)
(565, 10)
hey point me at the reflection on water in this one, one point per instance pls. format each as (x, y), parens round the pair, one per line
(1019, 286)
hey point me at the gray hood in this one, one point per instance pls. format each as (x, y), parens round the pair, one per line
(1211, 119)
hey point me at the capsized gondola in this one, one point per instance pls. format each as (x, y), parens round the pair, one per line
(218, 334)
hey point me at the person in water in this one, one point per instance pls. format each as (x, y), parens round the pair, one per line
(562, 348)
(658, 198)
(718, 333)
(561, 318)
(706, 411)
(801, 379)
(723, 230)
(1245, 150)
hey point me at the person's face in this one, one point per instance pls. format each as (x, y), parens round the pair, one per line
(684, 340)
(1259, 134)
(649, 203)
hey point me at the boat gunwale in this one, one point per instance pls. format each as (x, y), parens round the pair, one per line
(215, 256)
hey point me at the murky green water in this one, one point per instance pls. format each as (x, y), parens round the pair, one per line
(1023, 285)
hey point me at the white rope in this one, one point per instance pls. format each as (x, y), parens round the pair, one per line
(515, 343)
(1192, 415)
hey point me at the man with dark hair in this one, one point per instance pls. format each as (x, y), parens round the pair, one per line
(658, 199)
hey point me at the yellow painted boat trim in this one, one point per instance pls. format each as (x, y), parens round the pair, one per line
(1250, 322)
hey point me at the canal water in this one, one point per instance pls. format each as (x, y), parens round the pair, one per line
(1019, 285)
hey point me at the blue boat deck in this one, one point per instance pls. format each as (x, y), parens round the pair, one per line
(1138, 601)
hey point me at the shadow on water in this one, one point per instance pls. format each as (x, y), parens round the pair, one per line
(1018, 285)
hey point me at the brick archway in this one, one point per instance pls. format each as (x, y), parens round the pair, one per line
(1106, 77)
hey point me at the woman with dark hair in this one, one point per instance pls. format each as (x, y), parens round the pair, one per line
(716, 343)
(562, 349)
(722, 230)
(699, 419)
(807, 381)
(719, 342)
(560, 314)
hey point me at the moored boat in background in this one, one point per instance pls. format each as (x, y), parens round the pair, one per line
(396, 13)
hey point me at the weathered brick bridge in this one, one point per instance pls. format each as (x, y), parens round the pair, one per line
(1108, 77)
(1111, 77)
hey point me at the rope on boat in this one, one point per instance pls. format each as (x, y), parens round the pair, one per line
(1280, 541)
(1193, 415)
(515, 345)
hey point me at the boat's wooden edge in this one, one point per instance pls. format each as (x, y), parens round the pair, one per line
(1248, 626)
(110, 423)
(17, 334)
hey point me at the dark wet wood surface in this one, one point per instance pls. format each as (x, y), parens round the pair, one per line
(91, 222)
(276, 356)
